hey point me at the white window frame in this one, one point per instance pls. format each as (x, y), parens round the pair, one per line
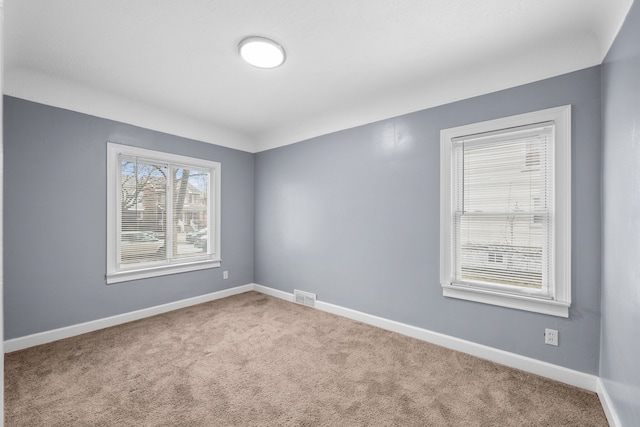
(560, 301)
(211, 259)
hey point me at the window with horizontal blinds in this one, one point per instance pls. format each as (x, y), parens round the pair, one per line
(142, 231)
(505, 211)
(501, 209)
(163, 213)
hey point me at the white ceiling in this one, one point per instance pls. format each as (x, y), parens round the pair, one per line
(172, 65)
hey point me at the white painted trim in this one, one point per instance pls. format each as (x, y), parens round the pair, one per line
(520, 302)
(161, 270)
(211, 259)
(544, 369)
(560, 266)
(94, 325)
(1, 216)
(607, 405)
(273, 292)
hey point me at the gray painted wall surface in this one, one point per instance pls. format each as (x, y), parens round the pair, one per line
(55, 220)
(620, 347)
(354, 217)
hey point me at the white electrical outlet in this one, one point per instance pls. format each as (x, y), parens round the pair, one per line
(225, 275)
(551, 336)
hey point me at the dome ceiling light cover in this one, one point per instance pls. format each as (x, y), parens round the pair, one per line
(261, 52)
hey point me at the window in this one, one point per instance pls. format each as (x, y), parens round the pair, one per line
(163, 213)
(506, 212)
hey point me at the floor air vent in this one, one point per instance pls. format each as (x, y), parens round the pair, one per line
(304, 298)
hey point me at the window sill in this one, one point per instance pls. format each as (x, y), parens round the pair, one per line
(520, 302)
(162, 270)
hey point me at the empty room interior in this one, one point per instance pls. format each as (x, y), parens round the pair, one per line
(414, 212)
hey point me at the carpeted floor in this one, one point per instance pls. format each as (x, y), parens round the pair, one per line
(254, 360)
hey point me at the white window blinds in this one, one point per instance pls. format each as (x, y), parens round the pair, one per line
(163, 213)
(502, 206)
(143, 207)
(151, 230)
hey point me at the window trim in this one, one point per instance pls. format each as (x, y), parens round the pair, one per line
(561, 240)
(210, 260)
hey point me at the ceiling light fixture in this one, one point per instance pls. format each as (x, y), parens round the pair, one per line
(261, 52)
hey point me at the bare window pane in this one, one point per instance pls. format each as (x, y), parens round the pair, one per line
(190, 201)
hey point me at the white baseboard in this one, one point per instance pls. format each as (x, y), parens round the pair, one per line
(527, 364)
(273, 292)
(21, 343)
(548, 370)
(607, 405)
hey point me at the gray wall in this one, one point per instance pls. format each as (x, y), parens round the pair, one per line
(55, 220)
(620, 347)
(354, 217)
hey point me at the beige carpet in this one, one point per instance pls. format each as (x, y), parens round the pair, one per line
(254, 360)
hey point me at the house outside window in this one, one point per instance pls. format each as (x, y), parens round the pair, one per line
(163, 213)
(506, 212)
